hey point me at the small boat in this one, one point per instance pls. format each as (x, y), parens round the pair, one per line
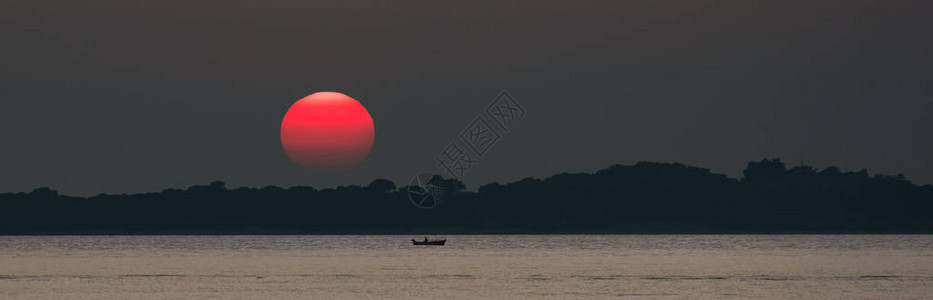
(428, 242)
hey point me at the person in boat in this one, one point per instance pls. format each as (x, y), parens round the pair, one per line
(425, 239)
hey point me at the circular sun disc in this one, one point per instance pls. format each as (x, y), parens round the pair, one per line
(327, 131)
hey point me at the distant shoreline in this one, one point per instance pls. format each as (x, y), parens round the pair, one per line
(645, 198)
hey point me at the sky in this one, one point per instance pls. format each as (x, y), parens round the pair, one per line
(121, 97)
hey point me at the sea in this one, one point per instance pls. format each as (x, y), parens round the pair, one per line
(468, 267)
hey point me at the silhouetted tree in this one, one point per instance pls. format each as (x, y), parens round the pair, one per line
(381, 186)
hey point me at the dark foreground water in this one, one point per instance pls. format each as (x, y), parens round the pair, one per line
(469, 267)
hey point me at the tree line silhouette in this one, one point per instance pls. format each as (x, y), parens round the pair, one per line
(641, 198)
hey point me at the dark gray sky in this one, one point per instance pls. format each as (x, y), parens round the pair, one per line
(116, 97)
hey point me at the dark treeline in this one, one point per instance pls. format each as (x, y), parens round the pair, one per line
(643, 198)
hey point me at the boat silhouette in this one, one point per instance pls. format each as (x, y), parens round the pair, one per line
(428, 242)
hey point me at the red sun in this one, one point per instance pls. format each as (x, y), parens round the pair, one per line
(327, 131)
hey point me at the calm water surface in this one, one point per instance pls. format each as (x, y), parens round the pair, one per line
(469, 267)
